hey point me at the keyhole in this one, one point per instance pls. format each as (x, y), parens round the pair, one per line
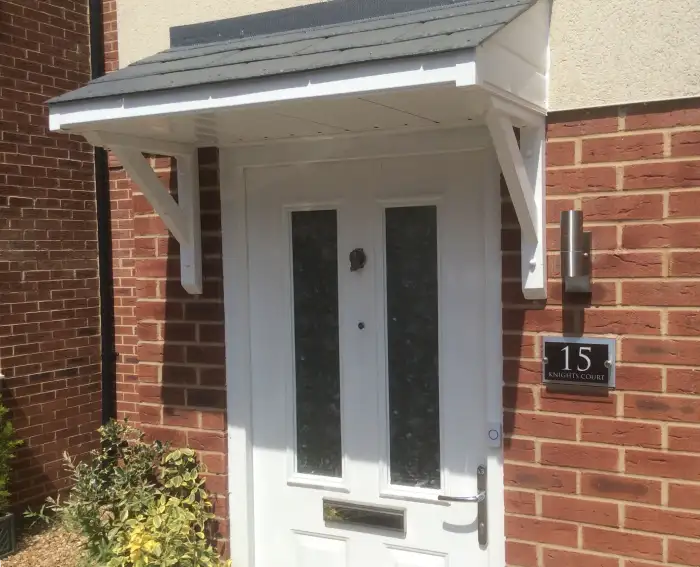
(361, 325)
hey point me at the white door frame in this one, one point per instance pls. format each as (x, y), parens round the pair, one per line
(233, 162)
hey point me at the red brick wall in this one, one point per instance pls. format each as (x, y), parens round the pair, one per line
(49, 305)
(171, 344)
(612, 481)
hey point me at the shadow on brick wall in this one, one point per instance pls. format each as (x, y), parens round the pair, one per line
(183, 401)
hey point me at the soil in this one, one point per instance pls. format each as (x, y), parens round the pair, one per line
(49, 547)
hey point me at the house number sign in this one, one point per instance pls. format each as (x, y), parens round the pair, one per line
(581, 361)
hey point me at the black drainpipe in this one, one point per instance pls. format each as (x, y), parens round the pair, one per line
(104, 232)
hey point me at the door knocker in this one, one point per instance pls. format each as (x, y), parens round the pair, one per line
(358, 259)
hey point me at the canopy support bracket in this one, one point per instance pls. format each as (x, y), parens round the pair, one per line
(182, 217)
(523, 167)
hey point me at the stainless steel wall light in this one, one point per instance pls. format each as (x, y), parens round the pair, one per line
(575, 253)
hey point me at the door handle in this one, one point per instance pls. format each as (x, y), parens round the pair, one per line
(480, 499)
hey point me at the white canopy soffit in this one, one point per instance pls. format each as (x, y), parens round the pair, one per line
(477, 62)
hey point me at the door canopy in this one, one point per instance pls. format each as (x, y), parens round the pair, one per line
(469, 63)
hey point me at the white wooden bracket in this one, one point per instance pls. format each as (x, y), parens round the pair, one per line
(523, 168)
(182, 217)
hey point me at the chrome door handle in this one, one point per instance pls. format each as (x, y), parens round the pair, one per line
(480, 499)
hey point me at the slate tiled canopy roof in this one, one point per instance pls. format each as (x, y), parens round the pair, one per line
(459, 26)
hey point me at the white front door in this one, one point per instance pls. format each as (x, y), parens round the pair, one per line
(368, 285)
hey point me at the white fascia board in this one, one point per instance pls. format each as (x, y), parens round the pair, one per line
(456, 68)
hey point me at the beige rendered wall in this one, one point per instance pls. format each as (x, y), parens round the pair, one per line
(603, 52)
(606, 52)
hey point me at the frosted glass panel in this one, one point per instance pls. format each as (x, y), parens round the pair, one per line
(316, 342)
(412, 337)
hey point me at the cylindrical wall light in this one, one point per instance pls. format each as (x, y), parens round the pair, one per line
(575, 253)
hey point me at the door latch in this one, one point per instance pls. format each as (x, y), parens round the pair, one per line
(480, 499)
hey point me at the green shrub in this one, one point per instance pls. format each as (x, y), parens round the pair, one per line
(8, 447)
(139, 504)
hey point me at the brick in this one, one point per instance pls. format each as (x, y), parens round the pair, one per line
(214, 463)
(560, 402)
(206, 441)
(522, 371)
(560, 153)
(580, 180)
(661, 293)
(159, 394)
(644, 120)
(622, 148)
(212, 377)
(673, 235)
(618, 432)
(201, 398)
(638, 378)
(623, 207)
(213, 420)
(538, 425)
(684, 204)
(627, 265)
(654, 351)
(519, 502)
(519, 450)
(160, 352)
(562, 557)
(519, 554)
(543, 531)
(576, 455)
(684, 264)
(683, 380)
(540, 478)
(662, 175)
(683, 552)
(518, 397)
(684, 323)
(684, 438)
(580, 510)
(622, 321)
(518, 345)
(625, 544)
(663, 464)
(620, 487)
(684, 495)
(200, 354)
(179, 417)
(532, 319)
(586, 123)
(662, 408)
(685, 144)
(656, 520)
